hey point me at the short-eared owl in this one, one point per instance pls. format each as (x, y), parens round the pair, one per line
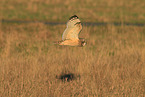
(70, 35)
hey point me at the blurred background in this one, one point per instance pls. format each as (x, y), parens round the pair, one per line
(88, 10)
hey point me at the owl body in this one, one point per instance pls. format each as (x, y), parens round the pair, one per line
(70, 35)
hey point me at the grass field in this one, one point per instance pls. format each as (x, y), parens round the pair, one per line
(111, 64)
(87, 10)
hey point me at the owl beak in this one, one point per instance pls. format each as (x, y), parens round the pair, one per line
(84, 43)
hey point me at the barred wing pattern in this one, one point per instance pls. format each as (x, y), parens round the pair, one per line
(73, 29)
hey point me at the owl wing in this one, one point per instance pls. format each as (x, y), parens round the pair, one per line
(74, 27)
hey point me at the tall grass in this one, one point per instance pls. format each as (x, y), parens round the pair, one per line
(111, 64)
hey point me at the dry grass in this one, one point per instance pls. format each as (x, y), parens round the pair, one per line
(112, 63)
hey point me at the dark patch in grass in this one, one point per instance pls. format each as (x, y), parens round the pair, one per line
(20, 47)
(67, 77)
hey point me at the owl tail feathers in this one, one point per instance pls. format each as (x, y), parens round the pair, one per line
(57, 42)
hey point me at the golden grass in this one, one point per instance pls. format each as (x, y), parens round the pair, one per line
(111, 64)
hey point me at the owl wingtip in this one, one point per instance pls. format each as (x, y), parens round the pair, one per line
(74, 16)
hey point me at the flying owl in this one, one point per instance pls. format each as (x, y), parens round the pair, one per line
(70, 34)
